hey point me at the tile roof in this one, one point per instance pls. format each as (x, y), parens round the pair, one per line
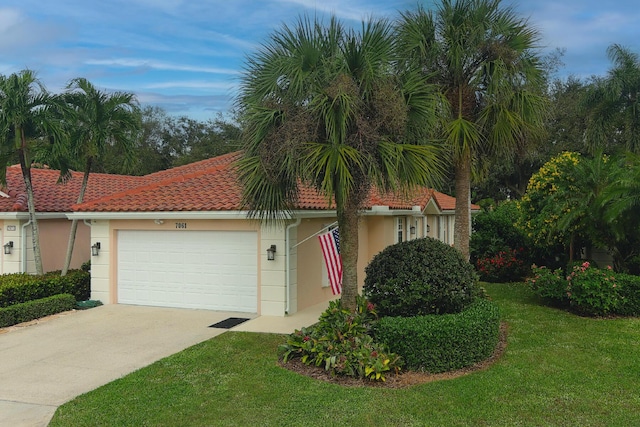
(207, 185)
(51, 196)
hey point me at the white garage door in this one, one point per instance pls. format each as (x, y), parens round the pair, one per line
(215, 270)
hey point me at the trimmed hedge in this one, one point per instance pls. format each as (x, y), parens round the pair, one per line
(36, 309)
(22, 287)
(446, 342)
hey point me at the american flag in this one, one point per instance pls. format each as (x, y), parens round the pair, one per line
(330, 244)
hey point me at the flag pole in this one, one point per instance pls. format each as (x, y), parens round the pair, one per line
(315, 234)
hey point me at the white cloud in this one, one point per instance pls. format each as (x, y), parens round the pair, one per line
(18, 32)
(192, 84)
(158, 65)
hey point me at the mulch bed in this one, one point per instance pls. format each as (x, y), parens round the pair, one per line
(405, 378)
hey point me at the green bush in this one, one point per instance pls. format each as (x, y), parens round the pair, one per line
(589, 290)
(419, 277)
(441, 343)
(36, 309)
(340, 343)
(497, 246)
(593, 291)
(629, 292)
(22, 287)
(505, 266)
(549, 284)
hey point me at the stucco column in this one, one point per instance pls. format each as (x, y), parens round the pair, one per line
(100, 265)
(273, 292)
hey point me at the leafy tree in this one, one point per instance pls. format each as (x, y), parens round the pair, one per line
(96, 120)
(323, 106)
(613, 105)
(621, 203)
(167, 141)
(545, 203)
(26, 120)
(480, 56)
(578, 201)
(215, 137)
(584, 217)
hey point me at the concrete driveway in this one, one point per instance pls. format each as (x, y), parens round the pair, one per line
(47, 363)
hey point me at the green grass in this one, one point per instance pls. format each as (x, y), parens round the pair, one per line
(558, 370)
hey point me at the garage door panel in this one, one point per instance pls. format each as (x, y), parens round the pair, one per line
(211, 269)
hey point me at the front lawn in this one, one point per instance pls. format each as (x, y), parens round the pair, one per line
(558, 369)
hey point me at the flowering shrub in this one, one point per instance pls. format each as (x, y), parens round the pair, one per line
(549, 284)
(588, 290)
(538, 215)
(505, 266)
(341, 343)
(593, 291)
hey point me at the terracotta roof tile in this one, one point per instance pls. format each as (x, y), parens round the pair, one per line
(207, 185)
(51, 196)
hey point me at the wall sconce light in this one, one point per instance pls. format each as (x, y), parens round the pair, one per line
(412, 230)
(428, 228)
(95, 249)
(7, 247)
(271, 253)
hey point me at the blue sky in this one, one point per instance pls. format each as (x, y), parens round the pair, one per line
(186, 56)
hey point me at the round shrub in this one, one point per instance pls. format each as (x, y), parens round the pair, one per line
(418, 277)
(441, 343)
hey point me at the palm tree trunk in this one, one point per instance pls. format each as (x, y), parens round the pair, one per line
(74, 223)
(348, 220)
(35, 233)
(461, 230)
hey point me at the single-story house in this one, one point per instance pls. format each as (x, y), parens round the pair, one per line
(179, 238)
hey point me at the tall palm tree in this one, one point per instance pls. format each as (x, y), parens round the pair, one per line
(323, 106)
(96, 120)
(613, 104)
(25, 121)
(481, 58)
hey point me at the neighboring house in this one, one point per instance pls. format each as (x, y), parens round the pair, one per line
(180, 239)
(53, 202)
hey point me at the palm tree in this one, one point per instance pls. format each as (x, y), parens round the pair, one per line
(578, 205)
(96, 120)
(480, 57)
(613, 105)
(25, 121)
(621, 203)
(323, 106)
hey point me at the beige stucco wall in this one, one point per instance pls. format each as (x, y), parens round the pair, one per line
(310, 289)
(54, 238)
(375, 233)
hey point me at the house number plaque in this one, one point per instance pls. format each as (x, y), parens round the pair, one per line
(11, 228)
(181, 225)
